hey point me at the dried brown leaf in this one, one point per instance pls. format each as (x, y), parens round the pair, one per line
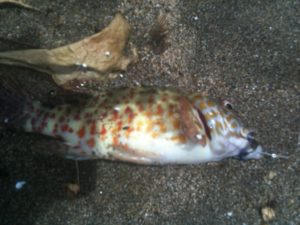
(18, 3)
(92, 57)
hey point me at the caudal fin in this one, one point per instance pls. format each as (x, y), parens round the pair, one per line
(13, 103)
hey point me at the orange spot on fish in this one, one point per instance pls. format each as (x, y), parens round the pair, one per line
(202, 105)
(179, 138)
(140, 106)
(150, 100)
(130, 117)
(176, 124)
(159, 110)
(103, 131)
(148, 113)
(115, 140)
(130, 113)
(77, 116)
(81, 132)
(211, 115)
(234, 125)
(219, 126)
(162, 128)
(229, 118)
(93, 128)
(91, 143)
(210, 103)
(128, 110)
(149, 127)
(171, 110)
(128, 132)
(155, 134)
(115, 115)
(64, 127)
(119, 125)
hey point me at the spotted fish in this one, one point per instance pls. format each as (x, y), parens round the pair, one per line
(138, 125)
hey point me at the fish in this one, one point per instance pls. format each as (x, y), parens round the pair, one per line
(142, 125)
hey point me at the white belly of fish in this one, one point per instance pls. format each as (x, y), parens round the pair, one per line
(162, 150)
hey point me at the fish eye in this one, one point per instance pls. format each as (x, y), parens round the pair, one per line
(227, 105)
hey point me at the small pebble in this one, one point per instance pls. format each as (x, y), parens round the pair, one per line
(271, 175)
(72, 189)
(19, 185)
(229, 214)
(52, 92)
(267, 214)
(195, 18)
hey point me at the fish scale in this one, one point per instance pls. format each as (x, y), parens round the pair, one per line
(143, 125)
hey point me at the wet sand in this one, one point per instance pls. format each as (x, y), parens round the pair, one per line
(247, 53)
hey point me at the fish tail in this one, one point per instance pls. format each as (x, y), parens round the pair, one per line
(13, 104)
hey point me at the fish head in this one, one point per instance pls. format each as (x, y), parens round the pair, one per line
(228, 136)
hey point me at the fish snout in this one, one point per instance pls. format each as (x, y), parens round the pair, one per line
(253, 150)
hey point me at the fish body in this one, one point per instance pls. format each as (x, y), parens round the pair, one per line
(145, 126)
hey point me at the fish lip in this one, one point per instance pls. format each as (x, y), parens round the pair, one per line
(255, 154)
(252, 150)
(250, 153)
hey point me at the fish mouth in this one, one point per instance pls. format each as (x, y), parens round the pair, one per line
(251, 153)
(252, 150)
